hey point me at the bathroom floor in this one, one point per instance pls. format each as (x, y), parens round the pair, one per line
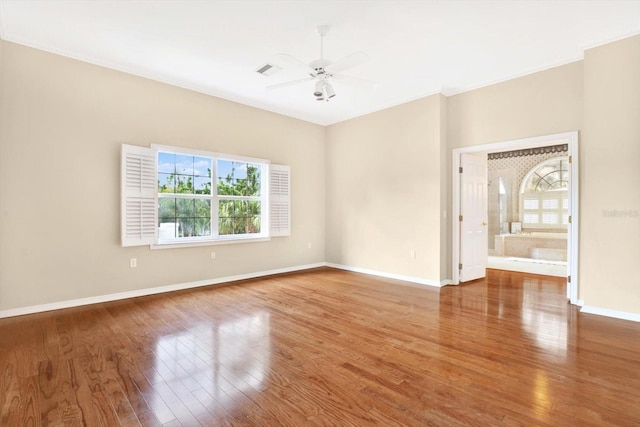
(529, 265)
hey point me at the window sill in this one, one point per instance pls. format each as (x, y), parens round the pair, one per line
(209, 243)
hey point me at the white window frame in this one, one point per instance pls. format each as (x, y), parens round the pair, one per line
(216, 238)
(140, 208)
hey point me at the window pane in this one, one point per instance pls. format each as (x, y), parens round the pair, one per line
(239, 170)
(202, 166)
(547, 176)
(225, 217)
(168, 230)
(253, 181)
(254, 208)
(238, 179)
(550, 204)
(549, 218)
(254, 224)
(166, 183)
(240, 208)
(184, 184)
(239, 225)
(225, 178)
(225, 168)
(225, 226)
(530, 204)
(166, 208)
(184, 164)
(185, 208)
(202, 226)
(202, 208)
(166, 163)
(202, 184)
(225, 208)
(187, 227)
(531, 218)
(239, 217)
(565, 203)
(184, 174)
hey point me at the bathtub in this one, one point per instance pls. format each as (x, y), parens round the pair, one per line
(539, 245)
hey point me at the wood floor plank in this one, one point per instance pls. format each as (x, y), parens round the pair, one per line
(325, 347)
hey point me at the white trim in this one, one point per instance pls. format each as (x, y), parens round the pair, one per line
(570, 138)
(634, 317)
(150, 291)
(228, 279)
(411, 279)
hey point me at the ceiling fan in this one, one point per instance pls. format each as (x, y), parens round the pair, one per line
(324, 71)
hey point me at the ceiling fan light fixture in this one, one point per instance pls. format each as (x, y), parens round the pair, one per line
(329, 92)
(319, 88)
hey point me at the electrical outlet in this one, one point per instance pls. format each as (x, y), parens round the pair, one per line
(213, 255)
(412, 254)
(133, 263)
(309, 245)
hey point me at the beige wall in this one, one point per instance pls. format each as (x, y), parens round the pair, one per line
(610, 170)
(539, 104)
(62, 125)
(383, 190)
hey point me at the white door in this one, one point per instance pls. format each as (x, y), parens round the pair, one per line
(473, 216)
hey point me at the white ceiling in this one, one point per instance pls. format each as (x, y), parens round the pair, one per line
(416, 48)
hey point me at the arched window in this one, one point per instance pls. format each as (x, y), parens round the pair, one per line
(544, 195)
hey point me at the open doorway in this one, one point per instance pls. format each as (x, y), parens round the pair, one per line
(528, 210)
(534, 219)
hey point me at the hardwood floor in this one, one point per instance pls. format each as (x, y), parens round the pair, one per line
(325, 347)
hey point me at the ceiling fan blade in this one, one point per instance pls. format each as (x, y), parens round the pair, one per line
(364, 83)
(295, 62)
(347, 62)
(289, 83)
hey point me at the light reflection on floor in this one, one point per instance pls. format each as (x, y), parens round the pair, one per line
(547, 327)
(216, 363)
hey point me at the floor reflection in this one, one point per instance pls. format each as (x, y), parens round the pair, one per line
(215, 363)
(541, 319)
(538, 301)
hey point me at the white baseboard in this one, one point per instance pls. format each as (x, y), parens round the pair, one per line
(221, 280)
(610, 313)
(411, 279)
(150, 291)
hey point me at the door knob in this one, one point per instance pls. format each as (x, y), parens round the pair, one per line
(484, 223)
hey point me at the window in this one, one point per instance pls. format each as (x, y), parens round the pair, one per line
(544, 195)
(240, 203)
(184, 196)
(200, 197)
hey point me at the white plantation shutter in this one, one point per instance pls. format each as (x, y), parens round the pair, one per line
(139, 192)
(279, 200)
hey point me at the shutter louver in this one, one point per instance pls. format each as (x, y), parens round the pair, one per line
(279, 200)
(139, 193)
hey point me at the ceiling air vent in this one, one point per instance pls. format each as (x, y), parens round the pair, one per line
(268, 69)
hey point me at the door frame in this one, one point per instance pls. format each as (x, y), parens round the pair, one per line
(570, 138)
